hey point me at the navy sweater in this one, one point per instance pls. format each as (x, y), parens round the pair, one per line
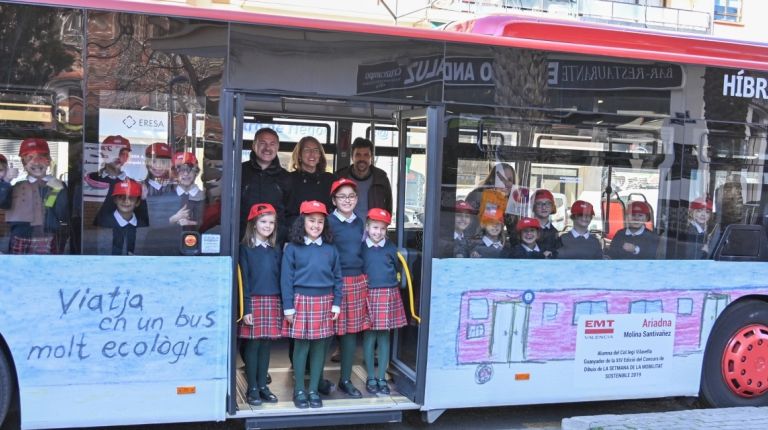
(313, 270)
(347, 238)
(381, 265)
(579, 248)
(261, 272)
(648, 242)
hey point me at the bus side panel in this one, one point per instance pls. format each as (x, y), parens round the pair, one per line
(526, 331)
(117, 340)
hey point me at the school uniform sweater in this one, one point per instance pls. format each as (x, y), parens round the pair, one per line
(691, 243)
(103, 217)
(646, 244)
(381, 264)
(260, 266)
(5, 194)
(310, 270)
(347, 237)
(549, 239)
(521, 251)
(486, 249)
(579, 248)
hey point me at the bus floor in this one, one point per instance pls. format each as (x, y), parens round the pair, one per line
(282, 386)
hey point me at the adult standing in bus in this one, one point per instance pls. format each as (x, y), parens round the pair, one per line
(264, 180)
(309, 180)
(373, 187)
(493, 194)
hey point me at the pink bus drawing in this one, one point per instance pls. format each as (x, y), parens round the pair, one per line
(505, 326)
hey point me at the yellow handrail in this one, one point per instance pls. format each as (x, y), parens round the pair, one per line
(240, 292)
(410, 285)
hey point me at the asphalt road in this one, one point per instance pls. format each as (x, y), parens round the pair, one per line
(540, 417)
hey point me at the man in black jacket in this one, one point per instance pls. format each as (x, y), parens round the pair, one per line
(373, 188)
(264, 180)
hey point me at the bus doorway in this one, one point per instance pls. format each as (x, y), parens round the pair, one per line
(402, 155)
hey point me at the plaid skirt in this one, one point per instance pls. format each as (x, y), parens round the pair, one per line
(267, 319)
(312, 319)
(354, 312)
(34, 245)
(385, 308)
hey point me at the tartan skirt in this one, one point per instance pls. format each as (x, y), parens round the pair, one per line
(34, 245)
(267, 319)
(312, 319)
(354, 312)
(385, 308)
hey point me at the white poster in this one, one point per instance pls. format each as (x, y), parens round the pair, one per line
(138, 126)
(625, 350)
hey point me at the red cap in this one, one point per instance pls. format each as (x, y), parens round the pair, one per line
(259, 209)
(117, 141)
(701, 203)
(184, 158)
(526, 223)
(312, 207)
(341, 183)
(464, 207)
(544, 195)
(3, 159)
(33, 146)
(158, 150)
(580, 207)
(378, 214)
(638, 207)
(128, 187)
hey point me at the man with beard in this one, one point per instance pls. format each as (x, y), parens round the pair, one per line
(373, 188)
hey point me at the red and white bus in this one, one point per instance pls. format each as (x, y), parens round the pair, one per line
(500, 105)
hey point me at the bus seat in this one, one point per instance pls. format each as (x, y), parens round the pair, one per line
(615, 220)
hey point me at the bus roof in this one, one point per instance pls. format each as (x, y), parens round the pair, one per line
(499, 30)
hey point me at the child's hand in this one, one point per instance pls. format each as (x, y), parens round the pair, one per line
(11, 173)
(180, 216)
(248, 319)
(334, 315)
(289, 318)
(629, 247)
(547, 254)
(475, 254)
(55, 184)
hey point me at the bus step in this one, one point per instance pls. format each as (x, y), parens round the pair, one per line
(320, 420)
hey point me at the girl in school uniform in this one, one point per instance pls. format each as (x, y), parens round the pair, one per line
(493, 243)
(347, 236)
(311, 287)
(262, 318)
(529, 230)
(384, 303)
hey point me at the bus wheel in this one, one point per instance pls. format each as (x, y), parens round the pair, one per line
(735, 369)
(6, 387)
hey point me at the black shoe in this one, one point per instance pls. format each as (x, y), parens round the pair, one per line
(314, 400)
(300, 399)
(383, 386)
(267, 395)
(253, 398)
(325, 387)
(371, 386)
(269, 379)
(349, 389)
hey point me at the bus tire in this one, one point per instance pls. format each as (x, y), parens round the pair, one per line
(6, 387)
(735, 368)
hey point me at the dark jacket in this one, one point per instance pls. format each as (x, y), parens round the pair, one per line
(579, 248)
(519, 251)
(647, 244)
(307, 186)
(271, 185)
(380, 194)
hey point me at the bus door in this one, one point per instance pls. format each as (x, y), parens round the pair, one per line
(417, 139)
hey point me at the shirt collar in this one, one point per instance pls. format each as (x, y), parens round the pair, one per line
(121, 176)
(698, 227)
(577, 235)
(637, 233)
(535, 248)
(154, 184)
(122, 222)
(458, 236)
(318, 241)
(192, 191)
(371, 244)
(32, 179)
(262, 243)
(341, 217)
(489, 242)
(547, 225)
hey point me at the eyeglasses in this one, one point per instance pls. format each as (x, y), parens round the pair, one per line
(346, 197)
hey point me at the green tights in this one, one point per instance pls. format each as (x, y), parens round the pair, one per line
(314, 350)
(256, 357)
(371, 338)
(347, 344)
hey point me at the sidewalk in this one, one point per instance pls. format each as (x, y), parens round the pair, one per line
(747, 418)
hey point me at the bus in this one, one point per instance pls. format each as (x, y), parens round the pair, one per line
(503, 104)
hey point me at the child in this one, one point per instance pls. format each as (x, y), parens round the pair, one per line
(384, 303)
(127, 197)
(7, 174)
(39, 212)
(262, 316)
(115, 151)
(579, 243)
(158, 160)
(161, 202)
(635, 241)
(696, 238)
(493, 243)
(347, 236)
(458, 246)
(529, 230)
(190, 197)
(543, 206)
(311, 287)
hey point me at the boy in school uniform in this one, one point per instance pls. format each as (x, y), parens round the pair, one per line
(579, 243)
(635, 242)
(543, 207)
(529, 230)
(127, 197)
(697, 237)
